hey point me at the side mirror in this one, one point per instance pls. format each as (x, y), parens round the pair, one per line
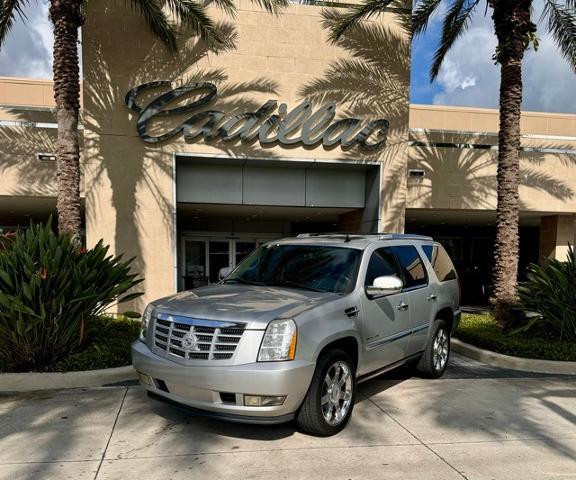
(223, 273)
(384, 286)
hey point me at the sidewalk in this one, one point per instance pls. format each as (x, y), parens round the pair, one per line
(498, 426)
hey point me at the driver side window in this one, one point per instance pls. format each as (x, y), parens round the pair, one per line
(382, 263)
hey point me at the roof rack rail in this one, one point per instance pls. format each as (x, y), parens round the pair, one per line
(379, 235)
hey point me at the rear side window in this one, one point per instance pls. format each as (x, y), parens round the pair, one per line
(440, 261)
(412, 266)
(382, 263)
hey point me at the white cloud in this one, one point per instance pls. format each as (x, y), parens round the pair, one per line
(470, 78)
(454, 78)
(27, 50)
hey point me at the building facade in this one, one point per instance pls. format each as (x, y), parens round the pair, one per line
(191, 160)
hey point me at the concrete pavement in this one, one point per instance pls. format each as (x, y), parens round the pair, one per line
(477, 422)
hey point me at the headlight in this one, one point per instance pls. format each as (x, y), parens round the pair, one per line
(279, 342)
(145, 322)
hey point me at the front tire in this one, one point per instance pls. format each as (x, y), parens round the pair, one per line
(329, 402)
(434, 360)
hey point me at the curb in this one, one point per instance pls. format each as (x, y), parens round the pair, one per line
(28, 382)
(514, 363)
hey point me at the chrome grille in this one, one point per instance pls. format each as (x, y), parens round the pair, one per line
(184, 338)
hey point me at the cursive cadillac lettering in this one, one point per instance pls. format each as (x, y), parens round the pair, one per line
(270, 124)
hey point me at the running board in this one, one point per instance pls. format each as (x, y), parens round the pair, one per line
(392, 366)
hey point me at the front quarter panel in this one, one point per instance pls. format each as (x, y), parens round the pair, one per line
(322, 325)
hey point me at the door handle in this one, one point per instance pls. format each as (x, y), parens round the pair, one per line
(403, 306)
(432, 298)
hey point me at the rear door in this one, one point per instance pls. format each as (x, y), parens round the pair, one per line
(419, 290)
(385, 320)
(446, 285)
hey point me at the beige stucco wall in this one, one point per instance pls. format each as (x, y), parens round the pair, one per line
(26, 92)
(441, 117)
(465, 178)
(129, 183)
(23, 101)
(557, 234)
(26, 109)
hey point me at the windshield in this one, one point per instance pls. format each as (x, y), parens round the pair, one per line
(310, 267)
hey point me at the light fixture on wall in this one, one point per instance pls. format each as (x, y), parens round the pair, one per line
(416, 173)
(45, 157)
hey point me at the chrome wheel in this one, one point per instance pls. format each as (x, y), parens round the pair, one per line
(336, 396)
(440, 350)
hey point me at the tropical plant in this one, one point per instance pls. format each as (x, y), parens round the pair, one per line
(6, 240)
(49, 290)
(549, 296)
(515, 32)
(67, 16)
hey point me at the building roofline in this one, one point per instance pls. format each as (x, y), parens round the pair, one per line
(492, 111)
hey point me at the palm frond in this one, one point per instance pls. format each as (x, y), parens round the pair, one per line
(157, 21)
(455, 24)
(370, 41)
(561, 23)
(271, 6)
(421, 15)
(8, 11)
(195, 16)
(227, 6)
(364, 11)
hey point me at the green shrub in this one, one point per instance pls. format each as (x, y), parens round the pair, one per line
(482, 331)
(49, 290)
(550, 293)
(107, 345)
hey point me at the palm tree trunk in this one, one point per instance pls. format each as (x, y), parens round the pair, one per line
(66, 17)
(512, 23)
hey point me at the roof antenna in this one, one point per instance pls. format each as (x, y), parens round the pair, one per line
(347, 239)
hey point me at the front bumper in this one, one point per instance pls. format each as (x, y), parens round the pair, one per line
(200, 387)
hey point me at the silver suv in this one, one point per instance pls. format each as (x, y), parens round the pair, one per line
(292, 330)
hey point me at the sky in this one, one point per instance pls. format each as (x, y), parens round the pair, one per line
(467, 78)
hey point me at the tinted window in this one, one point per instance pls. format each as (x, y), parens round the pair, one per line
(382, 263)
(327, 269)
(441, 263)
(412, 266)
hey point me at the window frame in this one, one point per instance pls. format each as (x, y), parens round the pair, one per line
(424, 268)
(438, 246)
(397, 265)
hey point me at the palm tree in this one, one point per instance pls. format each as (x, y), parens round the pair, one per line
(515, 31)
(67, 16)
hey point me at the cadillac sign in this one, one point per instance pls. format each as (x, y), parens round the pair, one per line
(271, 124)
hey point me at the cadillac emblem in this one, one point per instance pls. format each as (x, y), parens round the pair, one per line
(190, 341)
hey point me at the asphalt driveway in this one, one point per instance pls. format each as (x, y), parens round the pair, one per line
(475, 423)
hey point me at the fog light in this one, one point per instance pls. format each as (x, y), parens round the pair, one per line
(262, 401)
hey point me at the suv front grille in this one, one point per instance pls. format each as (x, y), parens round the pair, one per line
(183, 338)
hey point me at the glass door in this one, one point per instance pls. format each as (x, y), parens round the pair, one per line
(194, 269)
(218, 257)
(242, 250)
(203, 257)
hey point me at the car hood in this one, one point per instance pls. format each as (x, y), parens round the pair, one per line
(253, 305)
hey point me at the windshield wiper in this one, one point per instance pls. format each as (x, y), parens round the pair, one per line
(290, 283)
(242, 280)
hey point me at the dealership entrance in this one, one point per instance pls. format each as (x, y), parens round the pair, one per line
(227, 207)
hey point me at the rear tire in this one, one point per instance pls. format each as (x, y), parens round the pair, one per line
(434, 360)
(329, 402)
